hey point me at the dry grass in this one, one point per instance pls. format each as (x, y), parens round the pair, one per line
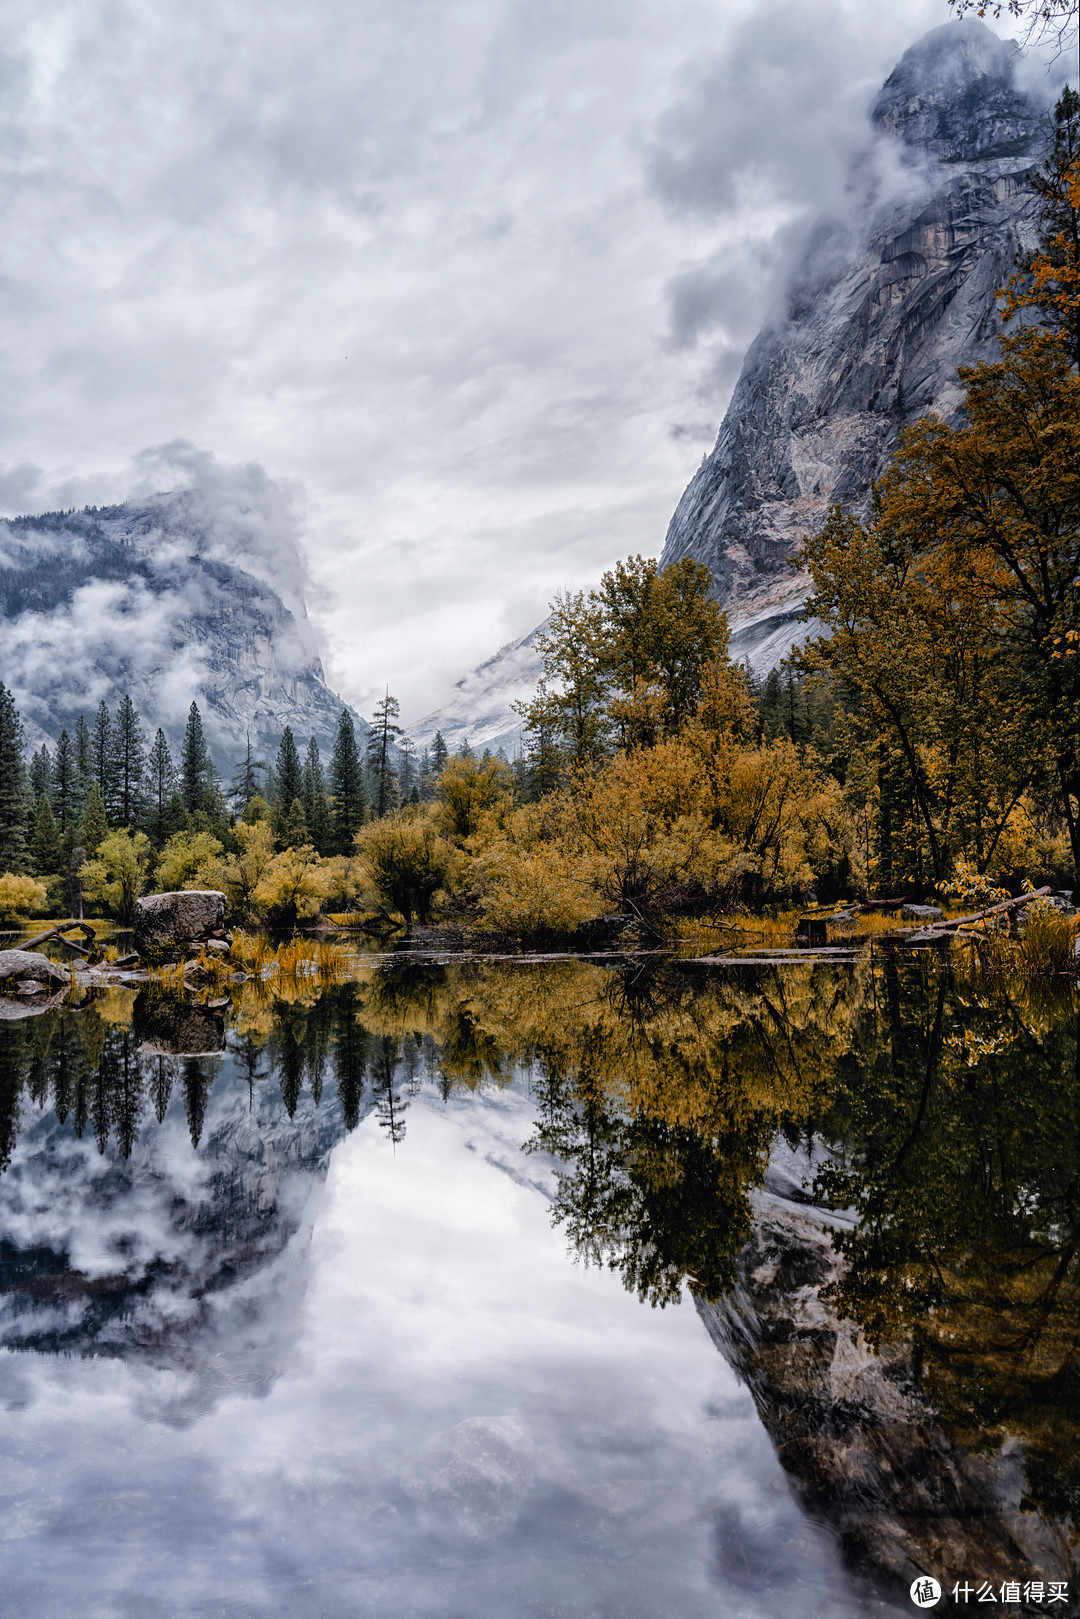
(295, 960)
(1045, 950)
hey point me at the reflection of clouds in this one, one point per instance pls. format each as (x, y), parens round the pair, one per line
(162, 1254)
(466, 1424)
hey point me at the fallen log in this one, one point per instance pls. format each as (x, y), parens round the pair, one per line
(951, 923)
(939, 930)
(57, 932)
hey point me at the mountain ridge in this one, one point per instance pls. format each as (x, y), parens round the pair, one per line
(170, 600)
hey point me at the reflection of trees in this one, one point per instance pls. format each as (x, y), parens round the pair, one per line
(956, 1123)
(952, 1118)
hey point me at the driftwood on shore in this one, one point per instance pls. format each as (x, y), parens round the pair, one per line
(951, 924)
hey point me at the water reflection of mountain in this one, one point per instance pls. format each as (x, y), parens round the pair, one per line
(915, 1359)
(148, 1186)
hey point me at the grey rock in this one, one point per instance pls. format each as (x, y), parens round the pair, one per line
(28, 964)
(163, 921)
(884, 307)
(921, 913)
(880, 314)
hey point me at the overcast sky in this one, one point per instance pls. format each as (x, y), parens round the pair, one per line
(472, 278)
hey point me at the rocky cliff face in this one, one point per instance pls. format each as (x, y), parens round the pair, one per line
(171, 602)
(885, 307)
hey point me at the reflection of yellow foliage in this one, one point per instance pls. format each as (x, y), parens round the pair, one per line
(114, 1007)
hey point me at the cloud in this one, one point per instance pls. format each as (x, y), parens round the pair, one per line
(237, 514)
(454, 271)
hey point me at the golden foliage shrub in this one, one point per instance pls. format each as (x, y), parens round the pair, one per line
(20, 896)
(406, 862)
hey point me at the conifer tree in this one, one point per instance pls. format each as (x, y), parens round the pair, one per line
(408, 777)
(346, 776)
(129, 762)
(245, 783)
(439, 754)
(382, 738)
(162, 784)
(194, 762)
(101, 754)
(288, 776)
(65, 783)
(84, 760)
(12, 787)
(294, 829)
(40, 773)
(95, 825)
(316, 809)
(46, 849)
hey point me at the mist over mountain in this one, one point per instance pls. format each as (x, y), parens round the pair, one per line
(888, 302)
(192, 595)
(894, 291)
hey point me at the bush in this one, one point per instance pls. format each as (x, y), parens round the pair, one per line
(182, 859)
(20, 896)
(406, 862)
(117, 876)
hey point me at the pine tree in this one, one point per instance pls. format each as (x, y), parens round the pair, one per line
(101, 757)
(12, 787)
(40, 773)
(95, 825)
(408, 777)
(194, 762)
(129, 762)
(349, 799)
(84, 761)
(46, 849)
(382, 738)
(65, 783)
(245, 783)
(439, 755)
(162, 785)
(294, 830)
(316, 810)
(288, 777)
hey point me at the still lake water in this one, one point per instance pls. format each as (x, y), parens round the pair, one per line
(485, 1289)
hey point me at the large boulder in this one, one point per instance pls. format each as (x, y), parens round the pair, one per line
(28, 964)
(163, 921)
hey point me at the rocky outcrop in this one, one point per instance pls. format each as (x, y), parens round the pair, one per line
(884, 308)
(29, 966)
(164, 921)
(855, 1432)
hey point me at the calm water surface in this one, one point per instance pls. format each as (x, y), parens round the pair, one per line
(499, 1289)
